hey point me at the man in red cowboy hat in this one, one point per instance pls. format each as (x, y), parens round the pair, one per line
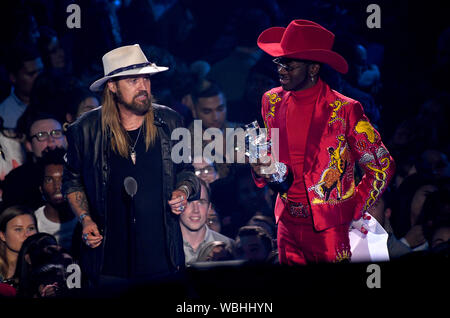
(322, 135)
(120, 179)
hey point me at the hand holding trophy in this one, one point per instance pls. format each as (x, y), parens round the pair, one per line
(257, 149)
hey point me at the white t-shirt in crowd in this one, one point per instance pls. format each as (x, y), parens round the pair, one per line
(61, 231)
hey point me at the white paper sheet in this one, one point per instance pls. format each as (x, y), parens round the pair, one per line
(370, 247)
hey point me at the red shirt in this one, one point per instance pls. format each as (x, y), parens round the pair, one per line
(298, 119)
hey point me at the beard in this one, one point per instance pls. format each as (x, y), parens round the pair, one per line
(139, 108)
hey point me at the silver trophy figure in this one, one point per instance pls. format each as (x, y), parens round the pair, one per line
(258, 147)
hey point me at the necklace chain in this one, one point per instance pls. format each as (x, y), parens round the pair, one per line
(137, 138)
(132, 152)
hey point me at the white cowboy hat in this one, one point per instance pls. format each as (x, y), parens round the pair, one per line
(125, 61)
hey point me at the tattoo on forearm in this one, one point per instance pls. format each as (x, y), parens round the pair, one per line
(81, 201)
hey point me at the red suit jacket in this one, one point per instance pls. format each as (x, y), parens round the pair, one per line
(340, 135)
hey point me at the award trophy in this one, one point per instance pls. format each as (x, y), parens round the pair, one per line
(258, 147)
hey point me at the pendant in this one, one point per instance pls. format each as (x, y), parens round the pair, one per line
(133, 156)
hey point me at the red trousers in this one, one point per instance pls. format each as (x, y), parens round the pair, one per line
(299, 243)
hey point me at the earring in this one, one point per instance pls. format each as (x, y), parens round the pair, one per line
(312, 78)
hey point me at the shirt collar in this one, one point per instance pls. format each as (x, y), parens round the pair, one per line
(208, 235)
(17, 99)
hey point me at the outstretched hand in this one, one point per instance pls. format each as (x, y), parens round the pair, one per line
(178, 202)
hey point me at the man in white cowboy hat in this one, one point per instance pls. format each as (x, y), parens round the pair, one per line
(128, 228)
(322, 135)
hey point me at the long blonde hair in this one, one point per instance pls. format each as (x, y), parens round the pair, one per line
(120, 140)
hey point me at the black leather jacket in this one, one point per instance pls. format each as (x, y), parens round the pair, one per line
(87, 170)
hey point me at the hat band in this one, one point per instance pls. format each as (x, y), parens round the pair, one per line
(127, 68)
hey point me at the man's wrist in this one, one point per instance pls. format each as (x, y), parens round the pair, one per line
(83, 216)
(404, 240)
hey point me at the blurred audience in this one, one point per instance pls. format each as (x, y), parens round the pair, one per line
(21, 185)
(382, 212)
(231, 72)
(407, 217)
(205, 169)
(215, 251)
(363, 80)
(52, 53)
(436, 217)
(216, 75)
(253, 244)
(79, 101)
(41, 267)
(12, 153)
(213, 220)
(24, 65)
(17, 223)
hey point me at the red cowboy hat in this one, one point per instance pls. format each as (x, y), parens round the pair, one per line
(305, 40)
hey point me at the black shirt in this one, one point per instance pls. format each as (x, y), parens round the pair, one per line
(149, 254)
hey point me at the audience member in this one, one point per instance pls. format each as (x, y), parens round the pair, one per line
(362, 82)
(231, 72)
(41, 267)
(249, 201)
(405, 166)
(21, 185)
(194, 229)
(24, 65)
(79, 101)
(213, 220)
(215, 251)
(433, 121)
(253, 244)
(181, 87)
(210, 107)
(16, 224)
(18, 24)
(266, 222)
(382, 212)
(55, 217)
(436, 216)
(12, 153)
(51, 94)
(407, 219)
(440, 238)
(259, 80)
(52, 53)
(405, 136)
(205, 169)
(433, 164)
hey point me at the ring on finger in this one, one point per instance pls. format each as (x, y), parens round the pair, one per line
(181, 208)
